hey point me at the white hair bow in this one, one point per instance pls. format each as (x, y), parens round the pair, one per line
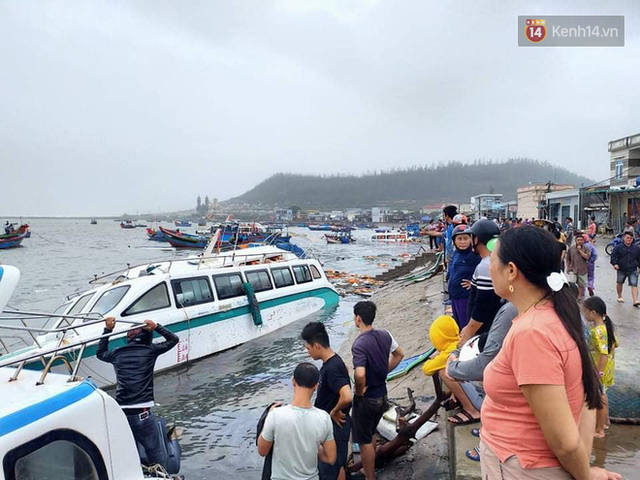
(557, 280)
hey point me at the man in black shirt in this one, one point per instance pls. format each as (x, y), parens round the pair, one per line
(134, 364)
(333, 396)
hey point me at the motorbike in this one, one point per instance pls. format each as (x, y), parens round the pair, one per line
(617, 240)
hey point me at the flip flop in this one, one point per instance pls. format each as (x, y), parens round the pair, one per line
(475, 432)
(461, 421)
(473, 454)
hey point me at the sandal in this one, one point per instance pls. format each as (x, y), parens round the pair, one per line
(636, 304)
(475, 432)
(620, 300)
(459, 420)
(473, 454)
(450, 404)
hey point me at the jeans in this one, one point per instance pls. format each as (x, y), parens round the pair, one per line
(145, 432)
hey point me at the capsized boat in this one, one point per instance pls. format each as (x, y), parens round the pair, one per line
(15, 238)
(212, 302)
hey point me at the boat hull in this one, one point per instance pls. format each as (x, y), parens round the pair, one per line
(14, 239)
(212, 332)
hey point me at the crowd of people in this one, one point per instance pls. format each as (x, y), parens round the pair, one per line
(522, 350)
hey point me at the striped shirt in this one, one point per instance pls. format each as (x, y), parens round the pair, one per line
(483, 301)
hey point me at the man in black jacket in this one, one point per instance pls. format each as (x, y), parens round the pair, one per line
(625, 258)
(134, 364)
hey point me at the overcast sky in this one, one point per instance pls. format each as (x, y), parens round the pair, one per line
(114, 106)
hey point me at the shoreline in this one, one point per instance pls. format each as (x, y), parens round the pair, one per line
(407, 311)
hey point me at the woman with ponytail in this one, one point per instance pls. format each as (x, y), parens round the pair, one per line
(603, 345)
(538, 384)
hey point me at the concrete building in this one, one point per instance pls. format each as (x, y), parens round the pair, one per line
(565, 203)
(283, 215)
(531, 199)
(487, 205)
(379, 215)
(624, 193)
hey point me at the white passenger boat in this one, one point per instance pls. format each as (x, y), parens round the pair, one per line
(62, 429)
(206, 300)
(399, 237)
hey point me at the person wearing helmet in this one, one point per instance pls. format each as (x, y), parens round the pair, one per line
(463, 264)
(459, 219)
(483, 301)
(134, 364)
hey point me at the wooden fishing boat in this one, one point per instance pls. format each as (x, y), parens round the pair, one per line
(15, 238)
(179, 239)
(127, 224)
(156, 235)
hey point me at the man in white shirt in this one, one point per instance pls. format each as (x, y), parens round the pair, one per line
(299, 433)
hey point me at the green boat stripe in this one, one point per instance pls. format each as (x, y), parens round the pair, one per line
(329, 296)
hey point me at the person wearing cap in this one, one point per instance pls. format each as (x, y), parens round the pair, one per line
(463, 264)
(483, 301)
(134, 364)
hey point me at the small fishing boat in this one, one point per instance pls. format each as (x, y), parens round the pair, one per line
(320, 228)
(94, 221)
(15, 238)
(213, 302)
(182, 223)
(180, 239)
(156, 235)
(398, 237)
(339, 237)
(127, 224)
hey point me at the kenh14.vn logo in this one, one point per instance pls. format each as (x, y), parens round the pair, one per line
(535, 30)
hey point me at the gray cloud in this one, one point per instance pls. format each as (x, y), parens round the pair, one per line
(122, 106)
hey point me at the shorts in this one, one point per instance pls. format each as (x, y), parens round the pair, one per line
(341, 436)
(473, 394)
(366, 414)
(632, 276)
(580, 280)
(592, 236)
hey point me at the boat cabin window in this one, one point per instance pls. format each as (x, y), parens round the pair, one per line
(63, 454)
(154, 299)
(80, 304)
(302, 274)
(259, 280)
(110, 299)
(315, 272)
(228, 286)
(282, 277)
(191, 291)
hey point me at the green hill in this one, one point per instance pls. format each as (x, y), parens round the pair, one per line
(410, 187)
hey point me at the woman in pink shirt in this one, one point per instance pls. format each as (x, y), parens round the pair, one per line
(540, 381)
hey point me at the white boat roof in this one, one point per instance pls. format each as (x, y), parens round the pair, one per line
(23, 393)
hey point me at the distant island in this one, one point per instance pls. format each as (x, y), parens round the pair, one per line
(405, 188)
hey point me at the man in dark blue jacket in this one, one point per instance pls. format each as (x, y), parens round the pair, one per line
(625, 258)
(134, 364)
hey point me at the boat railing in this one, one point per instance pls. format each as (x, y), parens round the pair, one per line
(165, 265)
(48, 356)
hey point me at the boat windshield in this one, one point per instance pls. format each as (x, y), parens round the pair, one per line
(110, 299)
(80, 304)
(53, 321)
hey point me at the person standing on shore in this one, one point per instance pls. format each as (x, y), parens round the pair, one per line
(463, 264)
(577, 267)
(432, 227)
(592, 229)
(625, 258)
(568, 230)
(539, 383)
(300, 434)
(375, 353)
(603, 345)
(483, 301)
(591, 265)
(334, 395)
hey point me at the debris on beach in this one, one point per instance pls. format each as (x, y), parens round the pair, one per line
(352, 283)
